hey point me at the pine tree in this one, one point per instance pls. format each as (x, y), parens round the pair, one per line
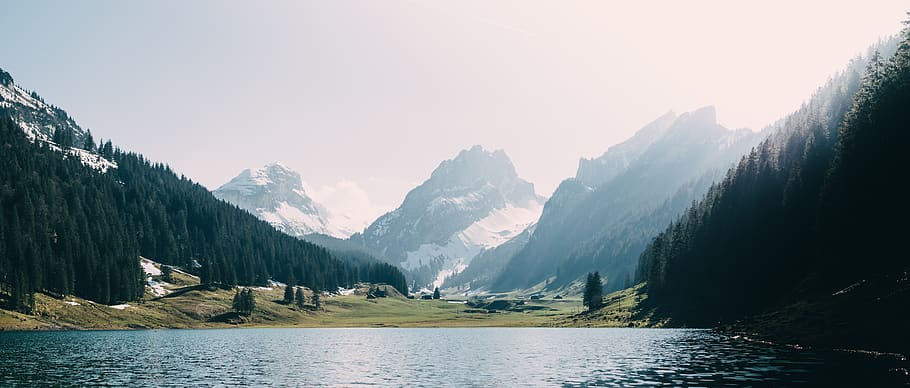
(244, 302)
(289, 294)
(70, 229)
(89, 143)
(249, 301)
(167, 273)
(301, 299)
(237, 305)
(107, 150)
(436, 293)
(593, 295)
(317, 299)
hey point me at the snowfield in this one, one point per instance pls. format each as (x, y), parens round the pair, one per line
(346, 291)
(499, 226)
(150, 267)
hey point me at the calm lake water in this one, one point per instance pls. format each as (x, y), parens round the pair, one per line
(500, 357)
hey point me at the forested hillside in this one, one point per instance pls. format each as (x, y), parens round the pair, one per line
(68, 228)
(815, 214)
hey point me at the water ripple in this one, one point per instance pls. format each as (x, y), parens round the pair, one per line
(493, 357)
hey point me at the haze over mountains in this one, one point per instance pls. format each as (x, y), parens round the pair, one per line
(786, 242)
(603, 218)
(475, 203)
(277, 195)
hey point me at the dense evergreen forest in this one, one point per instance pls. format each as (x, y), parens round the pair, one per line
(813, 212)
(67, 228)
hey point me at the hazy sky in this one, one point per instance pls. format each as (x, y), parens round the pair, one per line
(374, 94)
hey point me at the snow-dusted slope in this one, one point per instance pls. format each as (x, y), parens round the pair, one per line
(471, 203)
(40, 120)
(276, 194)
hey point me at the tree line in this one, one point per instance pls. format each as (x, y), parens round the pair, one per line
(812, 209)
(66, 228)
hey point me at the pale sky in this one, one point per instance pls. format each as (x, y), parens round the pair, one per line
(372, 95)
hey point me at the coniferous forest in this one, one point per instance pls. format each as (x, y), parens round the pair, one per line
(813, 215)
(453, 193)
(66, 228)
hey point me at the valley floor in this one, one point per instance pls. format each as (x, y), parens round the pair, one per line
(191, 306)
(195, 307)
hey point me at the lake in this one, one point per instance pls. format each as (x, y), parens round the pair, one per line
(423, 357)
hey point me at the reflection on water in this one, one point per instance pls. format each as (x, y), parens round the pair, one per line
(422, 357)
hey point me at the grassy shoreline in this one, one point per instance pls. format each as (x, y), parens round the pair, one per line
(194, 307)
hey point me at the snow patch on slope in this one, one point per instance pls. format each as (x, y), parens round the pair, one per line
(498, 227)
(92, 160)
(293, 220)
(501, 225)
(15, 97)
(150, 267)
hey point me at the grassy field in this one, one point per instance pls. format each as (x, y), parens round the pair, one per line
(199, 308)
(190, 306)
(187, 305)
(621, 309)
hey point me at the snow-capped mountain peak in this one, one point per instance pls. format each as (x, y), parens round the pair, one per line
(470, 203)
(276, 194)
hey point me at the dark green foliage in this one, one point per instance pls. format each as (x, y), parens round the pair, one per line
(167, 273)
(808, 212)
(376, 292)
(386, 274)
(70, 229)
(371, 269)
(63, 231)
(289, 294)
(300, 298)
(594, 292)
(317, 298)
(5, 78)
(89, 142)
(106, 150)
(64, 137)
(436, 293)
(244, 301)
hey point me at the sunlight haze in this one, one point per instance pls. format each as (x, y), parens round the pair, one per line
(366, 98)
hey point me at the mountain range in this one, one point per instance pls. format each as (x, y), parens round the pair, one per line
(795, 229)
(476, 206)
(603, 217)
